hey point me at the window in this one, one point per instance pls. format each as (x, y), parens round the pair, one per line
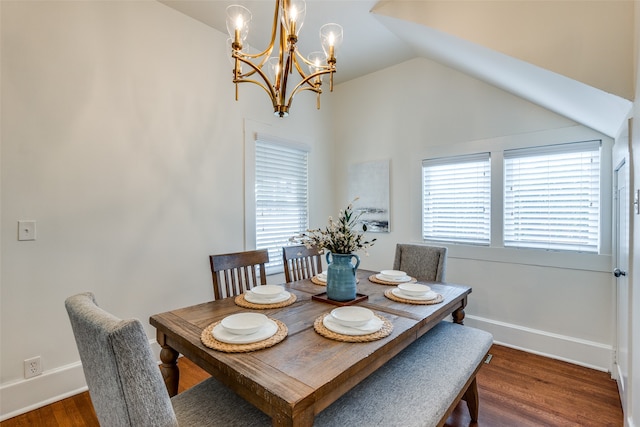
(552, 197)
(457, 199)
(280, 197)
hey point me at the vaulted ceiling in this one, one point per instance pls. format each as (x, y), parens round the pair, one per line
(588, 41)
(575, 58)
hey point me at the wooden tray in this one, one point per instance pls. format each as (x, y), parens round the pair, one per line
(322, 297)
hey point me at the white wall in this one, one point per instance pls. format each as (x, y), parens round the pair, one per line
(549, 303)
(120, 136)
(633, 409)
(122, 139)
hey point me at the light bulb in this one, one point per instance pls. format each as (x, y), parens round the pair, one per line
(238, 19)
(293, 16)
(331, 39)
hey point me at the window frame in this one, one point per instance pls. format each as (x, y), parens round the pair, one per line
(527, 239)
(459, 238)
(254, 132)
(496, 252)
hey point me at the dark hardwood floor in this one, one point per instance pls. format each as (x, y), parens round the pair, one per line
(516, 389)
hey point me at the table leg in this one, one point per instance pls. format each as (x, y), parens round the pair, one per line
(301, 419)
(169, 366)
(458, 315)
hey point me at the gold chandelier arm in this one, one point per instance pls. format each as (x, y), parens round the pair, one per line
(299, 89)
(281, 75)
(267, 86)
(299, 57)
(274, 29)
(297, 64)
(312, 87)
(324, 69)
(263, 86)
(266, 54)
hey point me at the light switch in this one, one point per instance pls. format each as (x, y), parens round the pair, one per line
(26, 230)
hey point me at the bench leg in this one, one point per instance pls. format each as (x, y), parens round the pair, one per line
(472, 399)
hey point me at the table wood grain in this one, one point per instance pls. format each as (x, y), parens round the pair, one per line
(299, 377)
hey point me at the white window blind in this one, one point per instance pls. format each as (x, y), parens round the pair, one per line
(552, 197)
(456, 199)
(281, 197)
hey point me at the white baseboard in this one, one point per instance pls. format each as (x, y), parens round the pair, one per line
(19, 397)
(561, 347)
(23, 396)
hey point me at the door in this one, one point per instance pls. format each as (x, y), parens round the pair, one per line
(621, 260)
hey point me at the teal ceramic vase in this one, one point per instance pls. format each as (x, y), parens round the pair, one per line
(341, 276)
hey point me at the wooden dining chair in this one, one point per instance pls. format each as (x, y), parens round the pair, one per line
(238, 272)
(301, 262)
(421, 261)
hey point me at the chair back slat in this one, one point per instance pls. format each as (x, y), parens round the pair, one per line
(238, 272)
(301, 262)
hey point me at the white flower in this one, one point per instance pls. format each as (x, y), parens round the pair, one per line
(339, 237)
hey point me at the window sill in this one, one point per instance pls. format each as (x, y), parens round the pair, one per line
(536, 257)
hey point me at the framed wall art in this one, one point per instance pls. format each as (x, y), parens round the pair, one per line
(369, 182)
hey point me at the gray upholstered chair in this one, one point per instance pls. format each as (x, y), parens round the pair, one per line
(125, 383)
(428, 263)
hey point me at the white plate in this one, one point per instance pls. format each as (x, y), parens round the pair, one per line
(393, 279)
(374, 325)
(267, 331)
(431, 295)
(267, 291)
(245, 323)
(393, 273)
(321, 278)
(249, 296)
(413, 289)
(352, 315)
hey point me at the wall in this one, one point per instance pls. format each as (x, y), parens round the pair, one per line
(548, 303)
(633, 410)
(121, 138)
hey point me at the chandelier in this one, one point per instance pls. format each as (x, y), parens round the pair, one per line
(282, 75)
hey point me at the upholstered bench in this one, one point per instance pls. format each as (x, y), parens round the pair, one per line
(418, 387)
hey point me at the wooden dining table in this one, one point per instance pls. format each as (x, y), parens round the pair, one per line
(303, 374)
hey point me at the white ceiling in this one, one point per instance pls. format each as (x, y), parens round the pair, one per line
(373, 42)
(368, 46)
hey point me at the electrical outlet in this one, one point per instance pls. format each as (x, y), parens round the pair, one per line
(32, 367)
(26, 230)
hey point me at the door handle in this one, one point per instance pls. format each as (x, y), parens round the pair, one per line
(617, 272)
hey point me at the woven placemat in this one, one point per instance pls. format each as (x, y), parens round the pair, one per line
(389, 294)
(207, 339)
(242, 302)
(386, 330)
(317, 281)
(374, 279)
